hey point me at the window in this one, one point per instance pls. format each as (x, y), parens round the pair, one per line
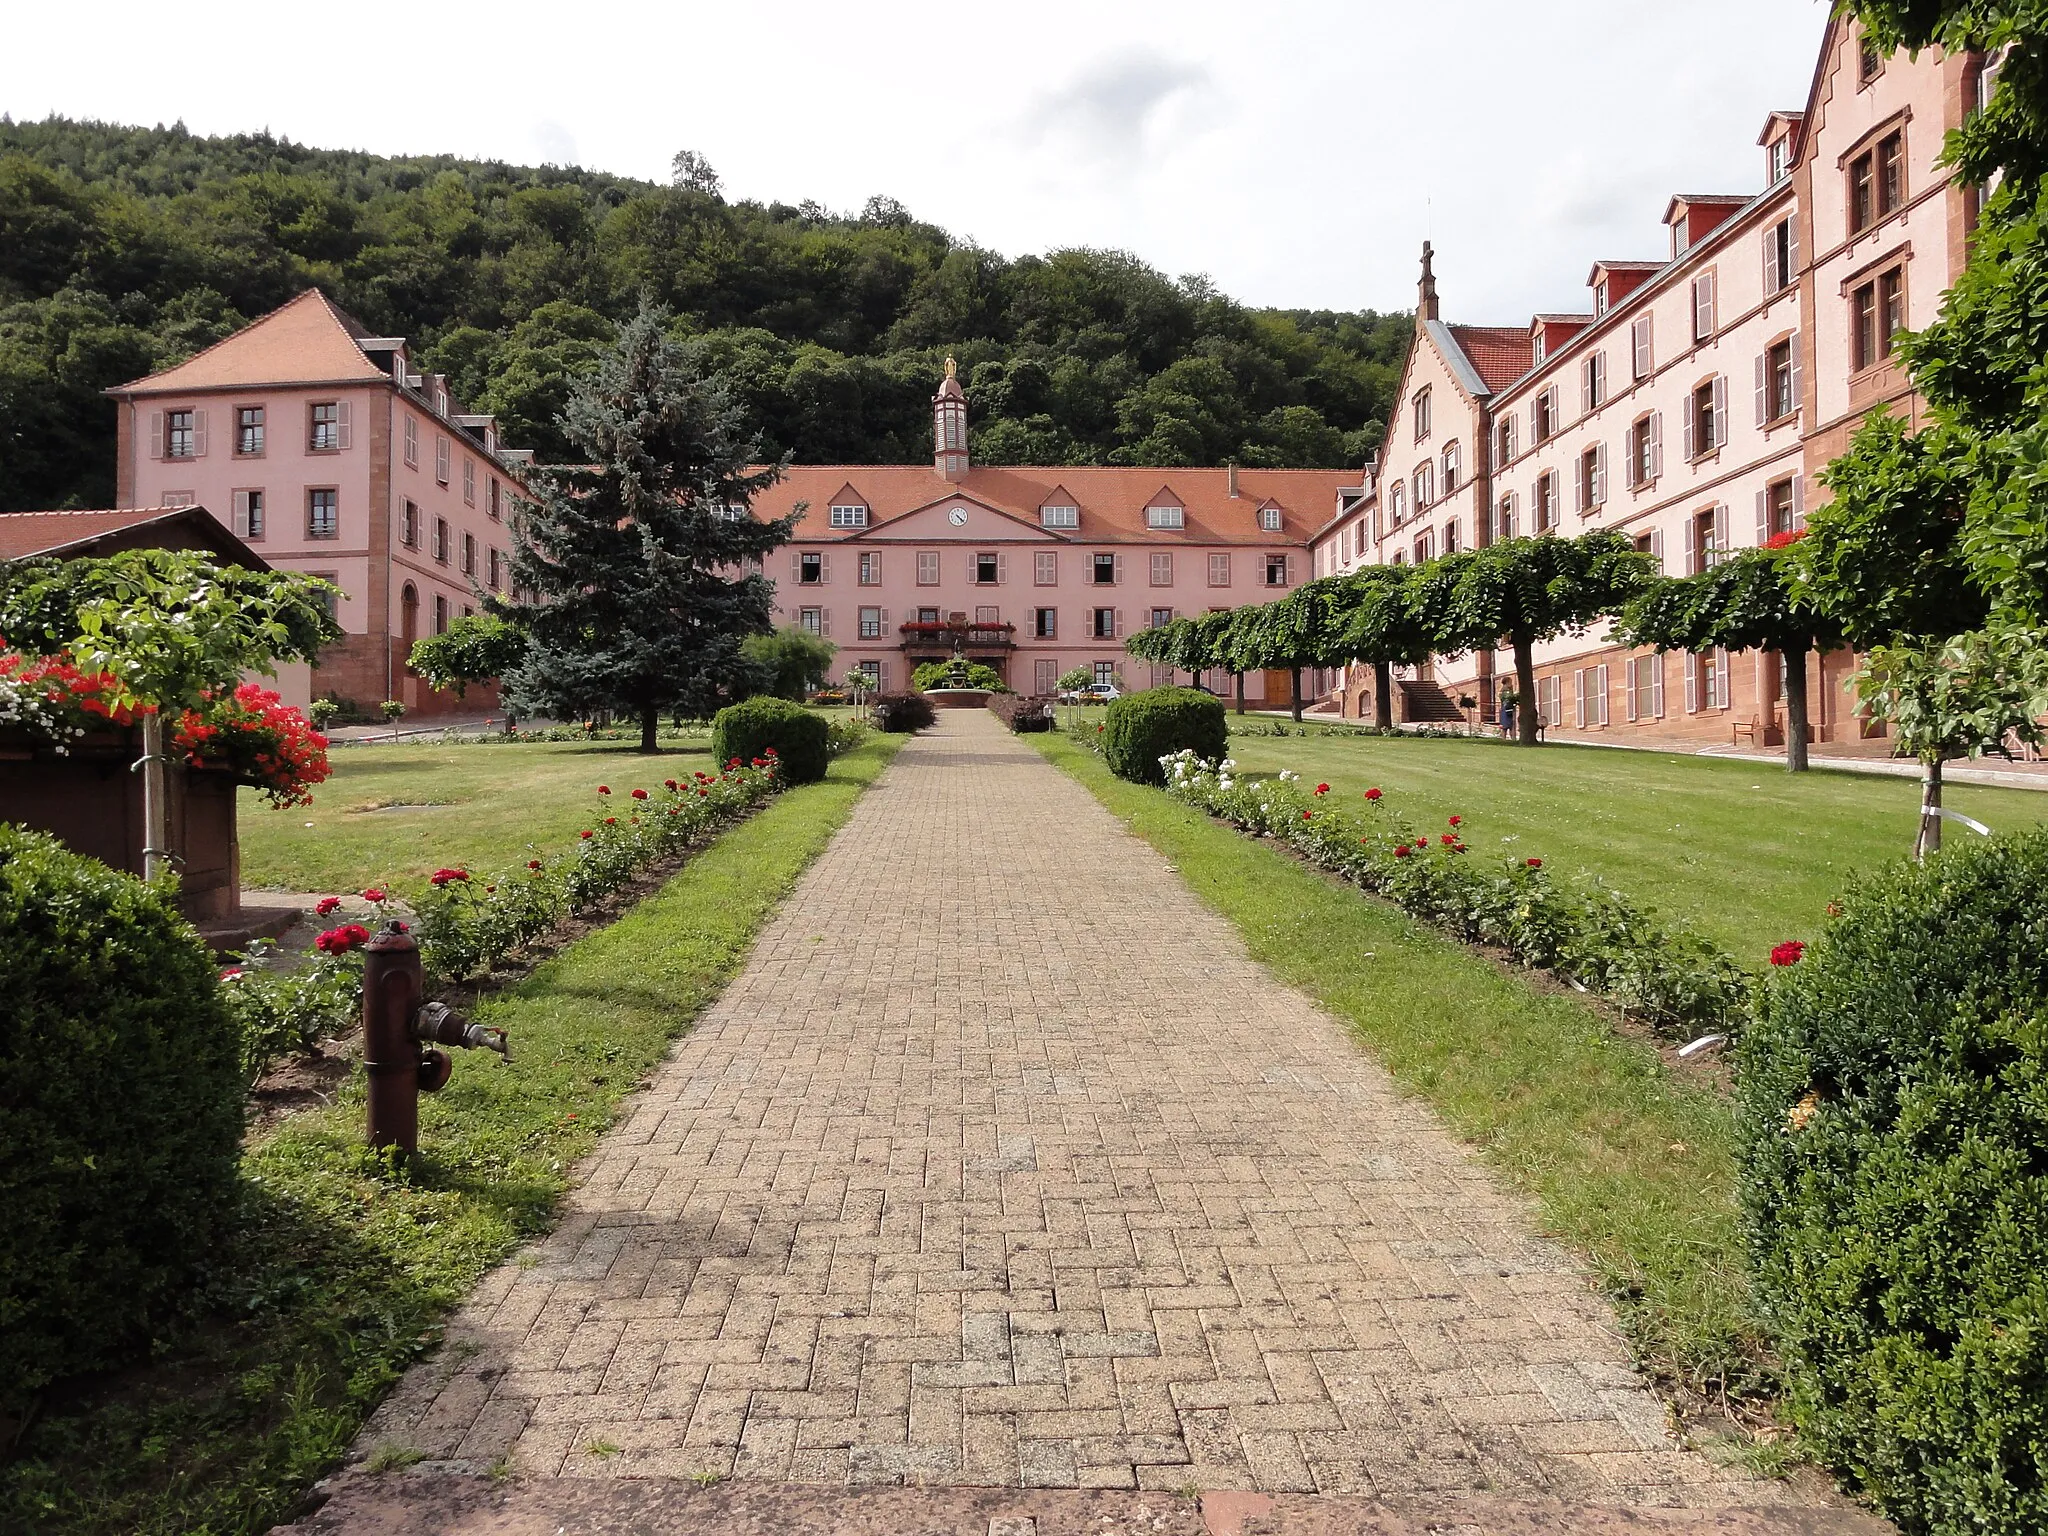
(988, 568)
(1162, 568)
(1161, 617)
(440, 615)
(179, 499)
(811, 619)
(1869, 62)
(491, 498)
(1543, 415)
(1452, 461)
(1703, 306)
(323, 429)
(1276, 570)
(1165, 517)
(1592, 479)
(1424, 547)
(1777, 396)
(330, 600)
(1546, 700)
(1781, 257)
(409, 525)
(810, 568)
(1645, 451)
(871, 623)
(1102, 623)
(1269, 519)
(469, 482)
(1045, 623)
(1102, 570)
(927, 615)
(1777, 510)
(412, 442)
(1045, 568)
(248, 431)
(1059, 517)
(1600, 298)
(1344, 545)
(1451, 537)
(1105, 672)
(1706, 680)
(1877, 315)
(1546, 501)
(468, 554)
(1593, 381)
(1877, 182)
(248, 514)
(868, 569)
(1219, 570)
(927, 567)
(181, 435)
(1589, 697)
(441, 459)
(1706, 419)
(850, 516)
(441, 539)
(1640, 337)
(496, 569)
(1504, 517)
(1424, 479)
(872, 670)
(1645, 676)
(1421, 413)
(1539, 347)
(1507, 438)
(323, 514)
(1778, 159)
(1707, 540)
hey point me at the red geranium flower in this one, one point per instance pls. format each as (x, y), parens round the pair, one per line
(1455, 820)
(1788, 953)
(533, 863)
(1533, 863)
(1780, 540)
(639, 794)
(1322, 789)
(1448, 839)
(584, 834)
(604, 789)
(703, 791)
(339, 941)
(1372, 794)
(611, 821)
(1308, 815)
(326, 904)
(767, 751)
(1400, 850)
(231, 973)
(668, 784)
(446, 877)
(1422, 842)
(374, 893)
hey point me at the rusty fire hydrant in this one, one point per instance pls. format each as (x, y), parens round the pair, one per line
(400, 1038)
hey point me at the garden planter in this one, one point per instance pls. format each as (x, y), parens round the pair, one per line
(91, 800)
(958, 698)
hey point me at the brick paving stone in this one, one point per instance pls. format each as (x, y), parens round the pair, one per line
(1002, 1163)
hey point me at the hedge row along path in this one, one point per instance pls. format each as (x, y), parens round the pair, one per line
(1001, 1164)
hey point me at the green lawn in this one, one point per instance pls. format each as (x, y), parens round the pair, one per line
(1625, 1162)
(398, 813)
(1744, 852)
(340, 1269)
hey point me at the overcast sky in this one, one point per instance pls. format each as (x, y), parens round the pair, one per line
(1297, 151)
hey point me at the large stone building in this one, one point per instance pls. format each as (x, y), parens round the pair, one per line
(319, 445)
(1690, 402)
(1034, 571)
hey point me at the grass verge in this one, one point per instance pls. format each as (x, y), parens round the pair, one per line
(1627, 1164)
(341, 1267)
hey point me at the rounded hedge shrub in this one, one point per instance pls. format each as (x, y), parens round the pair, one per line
(120, 1109)
(1894, 1100)
(901, 713)
(1141, 728)
(746, 730)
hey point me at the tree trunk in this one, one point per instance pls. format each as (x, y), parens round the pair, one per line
(1239, 676)
(1383, 695)
(1294, 686)
(1525, 693)
(1797, 730)
(650, 717)
(1929, 840)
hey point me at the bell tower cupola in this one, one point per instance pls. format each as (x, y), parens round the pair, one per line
(949, 426)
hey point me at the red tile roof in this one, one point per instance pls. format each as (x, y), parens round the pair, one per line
(305, 341)
(1112, 500)
(106, 530)
(1501, 353)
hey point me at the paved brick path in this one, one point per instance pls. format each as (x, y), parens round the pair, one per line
(1001, 1163)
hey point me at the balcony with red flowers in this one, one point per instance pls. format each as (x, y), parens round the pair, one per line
(957, 635)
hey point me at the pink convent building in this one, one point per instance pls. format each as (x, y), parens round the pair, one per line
(1034, 571)
(1688, 400)
(318, 444)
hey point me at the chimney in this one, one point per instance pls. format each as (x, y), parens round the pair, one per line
(1233, 479)
(1425, 303)
(949, 426)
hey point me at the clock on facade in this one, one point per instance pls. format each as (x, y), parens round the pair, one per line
(959, 517)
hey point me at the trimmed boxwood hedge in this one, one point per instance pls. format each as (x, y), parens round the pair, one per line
(798, 735)
(1141, 728)
(1894, 1097)
(120, 1110)
(903, 713)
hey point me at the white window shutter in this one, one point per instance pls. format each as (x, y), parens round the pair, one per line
(1763, 405)
(1687, 433)
(885, 620)
(1692, 547)
(1763, 517)
(825, 567)
(1799, 501)
(1602, 690)
(1712, 307)
(199, 434)
(241, 514)
(1119, 632)
(1586, 385)
(1721, 680)
(1579, 697)
(1692, 682)
(1002, 567)
(1657, 686)
(1117, 573)
(1798, 400)
(1722, 537)
(344, 425)
(1656, 444)
(1630, 676)
(1792, 245)
(1292, 577)
(1657, 548)
(1720, 409)
(825, 622)
(156, 434)
(1599, 474)
(1770, 263)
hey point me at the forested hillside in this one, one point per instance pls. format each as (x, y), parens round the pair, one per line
(125, 249)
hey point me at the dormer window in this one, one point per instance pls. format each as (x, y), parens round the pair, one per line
(1538, 351)
(1269, 519)
(1165, 517)
(1778, 158)
(1679, 242)
(850, 515)
(1600, 297)
(1059, 517)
